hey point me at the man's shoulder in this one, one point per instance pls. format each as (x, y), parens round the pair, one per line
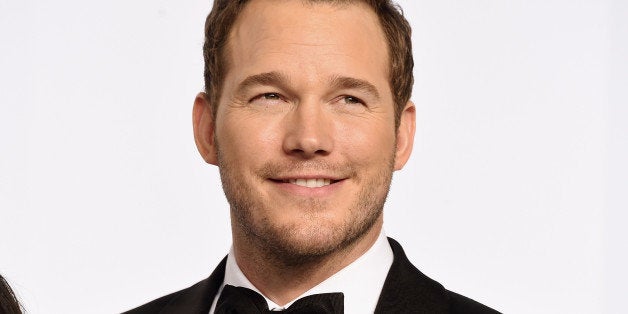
(461, 304)
(156, 305)
(182, 301)
(407, 288)
(195, 299)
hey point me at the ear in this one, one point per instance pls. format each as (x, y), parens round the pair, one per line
(204, 128)
(405, 135)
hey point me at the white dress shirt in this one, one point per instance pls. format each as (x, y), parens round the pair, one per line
(361, 282)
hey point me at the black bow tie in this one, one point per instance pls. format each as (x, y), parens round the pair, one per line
(239, 300)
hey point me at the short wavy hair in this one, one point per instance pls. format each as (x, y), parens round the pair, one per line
(396, 29)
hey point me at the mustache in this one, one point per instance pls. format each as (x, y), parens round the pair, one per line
(287, 168)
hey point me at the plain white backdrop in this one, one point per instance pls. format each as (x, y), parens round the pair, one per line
(514, 195)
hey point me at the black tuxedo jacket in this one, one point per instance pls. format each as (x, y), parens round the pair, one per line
(406, 290)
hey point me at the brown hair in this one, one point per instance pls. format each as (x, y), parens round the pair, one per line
(8, 300)
(396, 29)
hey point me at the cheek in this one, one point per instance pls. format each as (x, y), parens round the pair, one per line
(245, 139)
(367, 143)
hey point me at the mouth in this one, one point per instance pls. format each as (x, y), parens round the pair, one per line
(308, 183)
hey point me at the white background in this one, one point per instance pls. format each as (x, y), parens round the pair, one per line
(514, 196)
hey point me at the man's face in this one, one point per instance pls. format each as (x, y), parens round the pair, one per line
(304, 132)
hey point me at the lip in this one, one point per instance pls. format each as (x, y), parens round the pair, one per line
(306, 177)
(285, 187)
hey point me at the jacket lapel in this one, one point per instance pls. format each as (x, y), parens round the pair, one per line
(199, 297)
(407, 290)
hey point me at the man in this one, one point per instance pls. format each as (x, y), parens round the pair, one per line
(307, 114)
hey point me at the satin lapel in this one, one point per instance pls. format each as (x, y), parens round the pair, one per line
(199, 297)
(407, 290)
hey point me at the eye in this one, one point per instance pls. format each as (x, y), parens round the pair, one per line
(266, 98)
(350, 104)
(271, 96)
(269, 102)
(352, 100)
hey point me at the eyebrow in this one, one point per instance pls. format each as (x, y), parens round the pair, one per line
(343, 82)
(268, 78)
(278, 79)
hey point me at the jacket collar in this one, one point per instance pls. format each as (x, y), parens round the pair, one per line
(406, 289)
(198, 298)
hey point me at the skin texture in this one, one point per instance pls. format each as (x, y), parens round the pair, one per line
(306, 96)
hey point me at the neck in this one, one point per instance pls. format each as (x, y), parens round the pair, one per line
(284, 280)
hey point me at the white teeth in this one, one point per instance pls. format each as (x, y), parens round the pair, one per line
(311, 183)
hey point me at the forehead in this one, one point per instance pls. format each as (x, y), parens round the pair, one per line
(308, 39)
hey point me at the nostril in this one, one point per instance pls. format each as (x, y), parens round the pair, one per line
(308, 145)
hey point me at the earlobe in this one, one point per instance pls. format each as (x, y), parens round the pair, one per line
(405, 135)
(203, 123)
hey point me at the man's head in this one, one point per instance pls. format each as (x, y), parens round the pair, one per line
(395, 27)
(303, 123)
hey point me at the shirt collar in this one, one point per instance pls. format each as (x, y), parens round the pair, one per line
(361, 282)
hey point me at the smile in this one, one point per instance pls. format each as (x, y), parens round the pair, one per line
(310, 183)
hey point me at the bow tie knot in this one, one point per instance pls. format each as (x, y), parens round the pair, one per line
(240, 300)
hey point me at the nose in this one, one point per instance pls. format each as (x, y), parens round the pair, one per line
(309, 131)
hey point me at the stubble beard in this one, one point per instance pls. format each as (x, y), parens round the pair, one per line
(313, 236)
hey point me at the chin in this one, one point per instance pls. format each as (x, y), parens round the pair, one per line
(313, 239)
